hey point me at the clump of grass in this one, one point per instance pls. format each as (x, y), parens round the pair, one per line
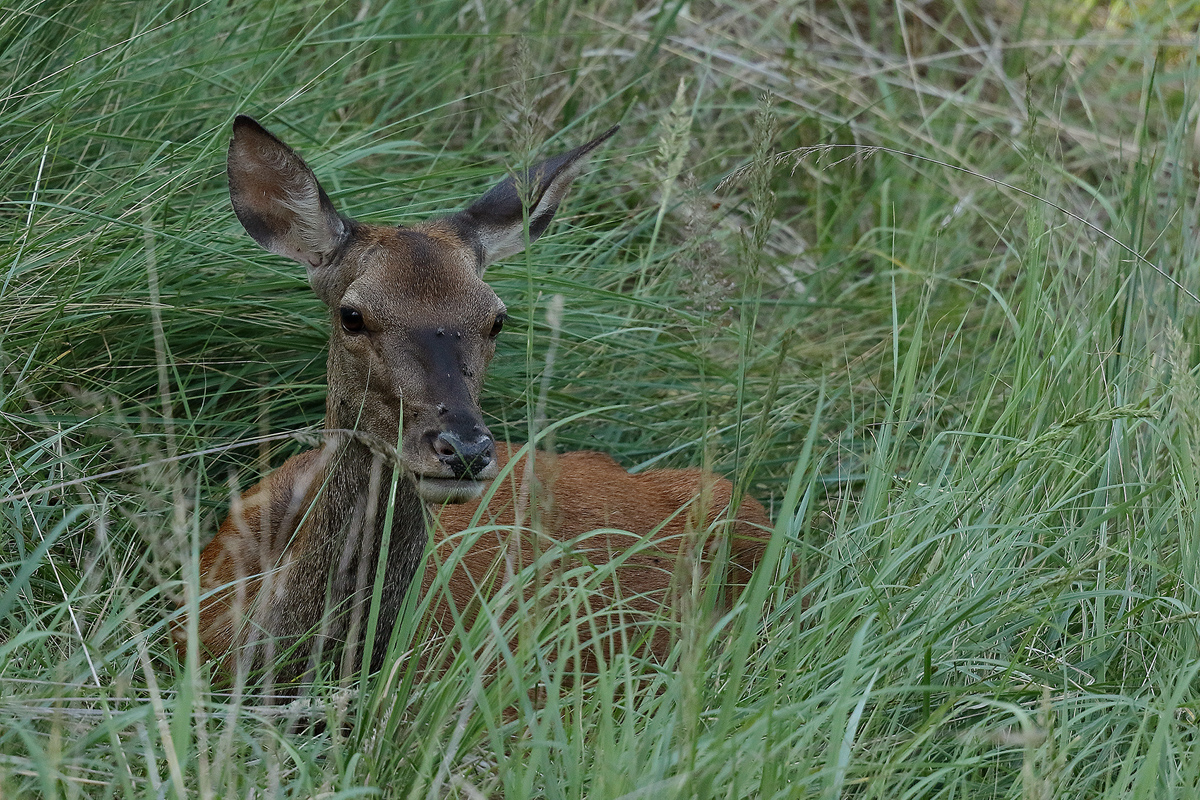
(971, 415)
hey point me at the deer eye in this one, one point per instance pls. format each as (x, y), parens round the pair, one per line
(352, 320)
(498, 325)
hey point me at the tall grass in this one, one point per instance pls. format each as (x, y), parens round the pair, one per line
(951, 345)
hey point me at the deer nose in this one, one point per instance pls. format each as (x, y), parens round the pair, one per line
(465, 459)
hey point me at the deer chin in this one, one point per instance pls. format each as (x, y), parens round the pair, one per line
(448, 490)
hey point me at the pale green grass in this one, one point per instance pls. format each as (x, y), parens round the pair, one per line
(959, 370)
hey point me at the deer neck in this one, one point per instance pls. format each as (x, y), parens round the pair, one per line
(345, 529)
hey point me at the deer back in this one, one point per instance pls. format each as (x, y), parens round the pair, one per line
(582, 509)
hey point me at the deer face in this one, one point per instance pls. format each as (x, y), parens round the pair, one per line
(413, 333)
(413, 323)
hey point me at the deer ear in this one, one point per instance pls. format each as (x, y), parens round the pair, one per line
(494, 223)
(278, 200)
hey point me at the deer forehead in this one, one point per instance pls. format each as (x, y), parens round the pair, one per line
(409, 274)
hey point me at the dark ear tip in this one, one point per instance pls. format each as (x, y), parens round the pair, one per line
(601, 139)
(243, 123)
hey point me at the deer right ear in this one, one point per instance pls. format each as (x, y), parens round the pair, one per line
(278, 200)
(495, 223)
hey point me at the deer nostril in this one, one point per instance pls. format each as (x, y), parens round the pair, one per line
(444, 447)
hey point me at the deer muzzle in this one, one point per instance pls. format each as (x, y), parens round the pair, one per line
(465, 459)
(464, 462)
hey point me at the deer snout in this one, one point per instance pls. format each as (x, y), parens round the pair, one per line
(466, 459)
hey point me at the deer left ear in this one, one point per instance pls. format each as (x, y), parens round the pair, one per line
(279, 201)
(494, 223)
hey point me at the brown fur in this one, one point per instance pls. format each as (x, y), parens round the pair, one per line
(577, 494)
(248, 546)
(589, 510)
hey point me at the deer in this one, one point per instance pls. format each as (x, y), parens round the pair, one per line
(287, 581)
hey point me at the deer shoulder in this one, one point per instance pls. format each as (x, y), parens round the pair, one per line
(249, 548)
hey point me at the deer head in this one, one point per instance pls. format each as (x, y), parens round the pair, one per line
(414, 325)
